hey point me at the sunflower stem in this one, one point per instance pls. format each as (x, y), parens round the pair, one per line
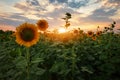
(28, 62)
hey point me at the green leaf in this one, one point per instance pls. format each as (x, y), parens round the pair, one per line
(40, 71)
(57, 66)
(19, 51)
(37, 60)
(103, 56)
(90, 57)
(86, 69)
(20, 62)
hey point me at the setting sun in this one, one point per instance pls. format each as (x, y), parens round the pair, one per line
(62, 30)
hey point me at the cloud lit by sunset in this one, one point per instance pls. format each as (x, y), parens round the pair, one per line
(86, 14)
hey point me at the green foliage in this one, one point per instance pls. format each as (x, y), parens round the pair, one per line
(84, 59)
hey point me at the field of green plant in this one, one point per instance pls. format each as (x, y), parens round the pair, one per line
(62, 56)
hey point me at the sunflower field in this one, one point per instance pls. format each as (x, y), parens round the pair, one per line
(75, 55)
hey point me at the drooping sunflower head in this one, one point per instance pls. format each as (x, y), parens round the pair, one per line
(98, 33)
(67, 25)
(42, 25)
(27, 34)
(90, 33)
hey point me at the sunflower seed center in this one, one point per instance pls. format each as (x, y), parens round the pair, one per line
(27, 34)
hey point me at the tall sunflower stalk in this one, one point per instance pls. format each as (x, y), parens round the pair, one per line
(27, 35)
(28, 63)
(67, 22)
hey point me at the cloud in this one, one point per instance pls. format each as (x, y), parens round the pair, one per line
(114, 1)
(30, 6)
(58, 1)
(116, 16)
(5, 15)
(6, 8)
(9, 21)
(37, 6)
(84, 12)
(21, 7)
(85, 7)
(27, 11)
(32, 2)
(77, 3)
(100, 15)
(16, 19)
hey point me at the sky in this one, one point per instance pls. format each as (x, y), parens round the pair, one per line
(86, 14)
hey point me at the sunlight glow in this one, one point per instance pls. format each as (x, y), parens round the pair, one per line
(62, 30)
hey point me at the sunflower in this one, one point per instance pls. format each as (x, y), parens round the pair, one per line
(42, 25)
(27, 34)
(90, 33)
(94, 38)
(98, 33)
(76, 31)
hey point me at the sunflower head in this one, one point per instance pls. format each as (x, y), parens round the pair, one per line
(98, 33)
(90, 33)
(94, 38)
(76, 31)
(42, 25)
(27, 34)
